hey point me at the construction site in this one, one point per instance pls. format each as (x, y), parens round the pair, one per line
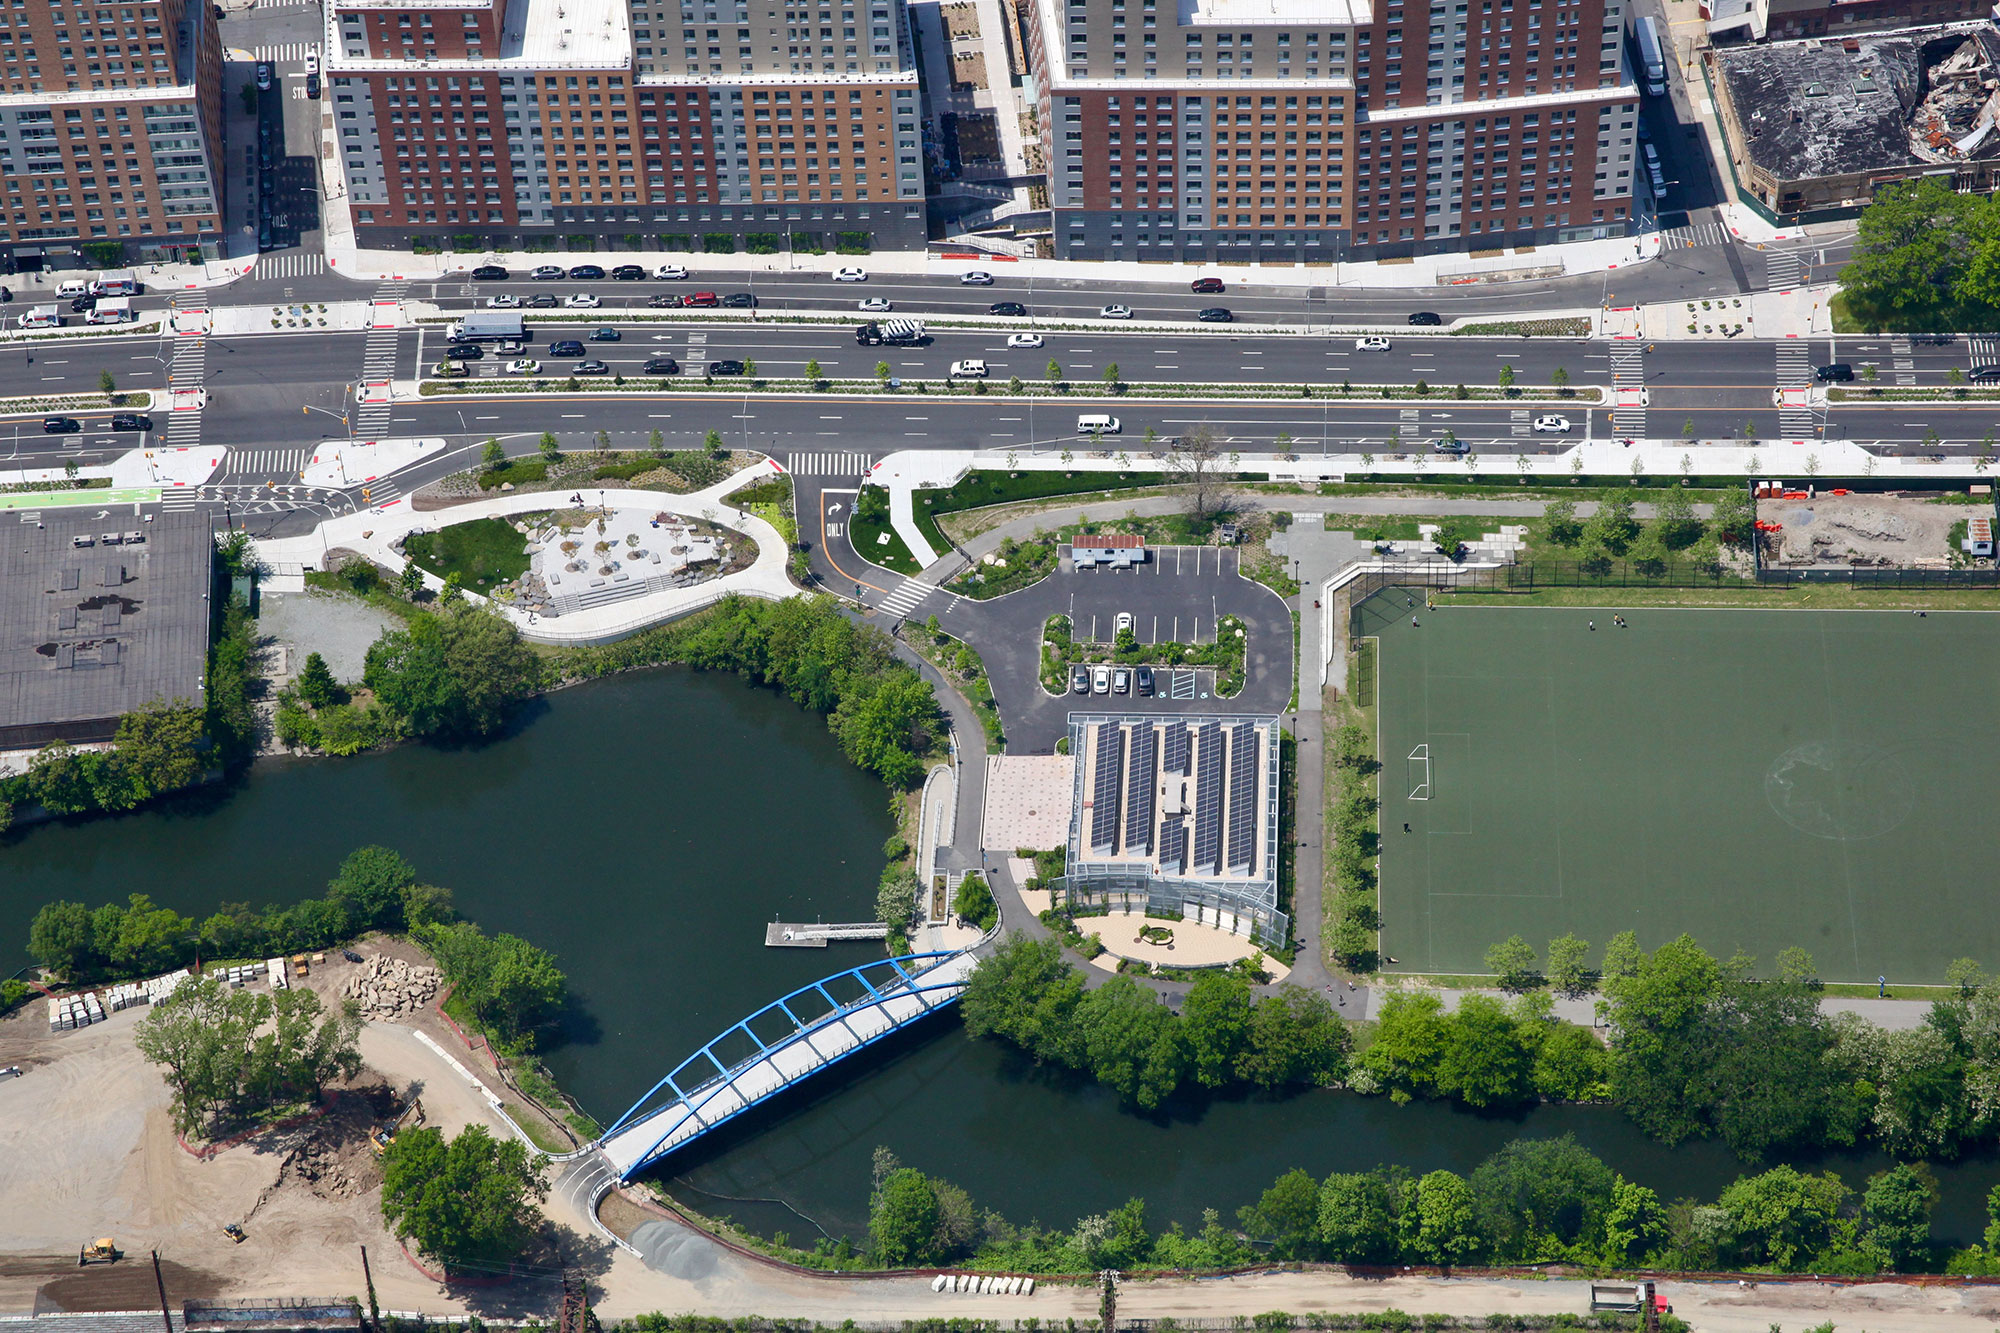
(1819, 125)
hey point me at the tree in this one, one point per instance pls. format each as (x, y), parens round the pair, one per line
(491, 455)
(1507, 378)
(551, 450)
(316, 683)
(454, 673)
(1675, 521)
(1024, 992)
(813, 372)
(1131, 1042)
(1896, 1209)
(1055, 371)
(369, 886)
(1296, 1039)
(1559, 377)
(896, 898)
(452, 593)
(1782, 1215)
(1634, 1223)
(1111, 376)
(1194, 460)
(1967, 975)
(1567, 971)
(1536, 1190)
(61, 940)
(882, 373)
(1613, 527)
(1918, 254)
(1439, 1219)
(1513, 961)
(1571, 1065)
(1559, 521)
(750, 368)
(411, 580)
(712, 442)
(1215, 1026)
(1411, 1037)
(470, 1201)
(159, 748)
(200, 1037)
(1487, 1059)
(886, 722)
(1287, 1215)
(1357, 1218)
(656, 443)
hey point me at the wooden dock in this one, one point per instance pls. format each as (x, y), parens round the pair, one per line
(818, 934)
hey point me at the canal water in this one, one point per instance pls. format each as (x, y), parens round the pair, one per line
(644, 829)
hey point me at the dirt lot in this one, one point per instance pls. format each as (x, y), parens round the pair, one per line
(1864, 530)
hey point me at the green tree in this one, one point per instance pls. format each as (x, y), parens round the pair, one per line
(158, 748)
(1783, 1215)
(1568, 972)
(1612, 526)
(1439, 1219)
(370, 886)
(1025, 993)
(1913, 260)
(1215, 1026)
(896, 898)
(1488, 1058)
(1357, 1218)
(886, 723)
(813, 372)
(411, 580)
(1536, 1196)
(1055, 371)
(1296, 1040)
(551, 450)
(107, 384)
(713, 443)
(512, 987)
(1967, 975)
(1412, 1035)
(656, 443)
(1657, 1011)
(1571, 1065)
(1559, 521)
(1507, 378)
(1131, 1042)
(1896, 1209)
(1675, 521)
(491, 454)
(1635, 1223)
(316, 683)
(1513, 961)
(1559, 378)
(453, 593)
(1111, 376)
(1622, 957)
(471, 1201)
(61, 939)
(883, 372)
(903, 1221)
(1286, 1215)
(973, 903)
(452, 674)
(200, 1037)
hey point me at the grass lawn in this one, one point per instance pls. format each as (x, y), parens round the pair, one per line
(1814, 597)
(976, 490)
(878, 542)
(483, 553)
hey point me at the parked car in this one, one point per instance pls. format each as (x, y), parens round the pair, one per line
(592, 367)
(1206, 286)
(1144, 680)
(662, 365)
(507, 301)
(1024, 340)
(1552, 425)
(585, 272)
(703, 300)
(489, 273)
(850, 274)
(131, 421)
(739, 301)
(1079, 680)
(725, 367)
(664, 301)
(1100, 680)
(546, 272)
(629, 273)
(61, 425)
(263, 76)
(1215, 314)
(312, 87)
(312, 62)
(580, 301)
(1014, 308)
(566, 347)
(976, 278)
(543, 301)
(670, 273)
(1123, 623)
(1426, 318)
(1121, 681)
(604, 335)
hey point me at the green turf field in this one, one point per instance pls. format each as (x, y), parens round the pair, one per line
(71, 499)
(1758, 779)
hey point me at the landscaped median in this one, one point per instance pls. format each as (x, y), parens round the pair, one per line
(1061, 651)
(736, 387)
(140, 400)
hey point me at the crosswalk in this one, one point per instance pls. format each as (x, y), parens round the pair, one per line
(1797, 418)
(1903, 359)
(1628, 388)
(906, 597)
(283, 4)
(283, 51)
(828, 464)
(1794, 363)
(186, 371)
(1984, 350)
(298, 264)
(265, 462)
(1783, 269)
(378, 367)
(1694, 236)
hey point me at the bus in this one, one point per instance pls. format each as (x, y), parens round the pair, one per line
(1652, 64)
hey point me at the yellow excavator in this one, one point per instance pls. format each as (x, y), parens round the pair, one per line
(384, 1134)
(103, 1250)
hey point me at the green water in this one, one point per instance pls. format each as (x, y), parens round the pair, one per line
(645, 829)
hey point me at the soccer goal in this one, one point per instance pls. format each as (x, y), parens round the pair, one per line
(1420, 773)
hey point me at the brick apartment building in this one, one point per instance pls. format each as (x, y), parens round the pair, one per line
(1287, 130)
(110, 131)
(510, 120)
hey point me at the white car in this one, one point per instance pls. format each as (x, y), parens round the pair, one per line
(850, 275)
(524, 366)
(1100, 680)
(503, 303)
(1371, 344)
(581, 301)
(670, 273)
(1024, 340)
(263, 76)
(976, 278)
(312, 63)
(1552, 425)
(877, 305)
(1115, 312)
(1124, 622)
(968, 370)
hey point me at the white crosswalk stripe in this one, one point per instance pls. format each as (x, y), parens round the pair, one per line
(1694, 235)
(298, 265)
(906, 597)
(265, 462)
(1902, 359)
(1794, 363)
(1628, 383)
(828, 464)
(1797, 418)
(378, 365)
(284, 4)
(1984, 349)
(176, 498)
(1783, 269)
(284, 51)
(185, 371)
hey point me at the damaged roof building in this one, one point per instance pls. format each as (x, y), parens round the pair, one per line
(1817, 127)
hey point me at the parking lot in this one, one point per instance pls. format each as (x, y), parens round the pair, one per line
(1177, 596)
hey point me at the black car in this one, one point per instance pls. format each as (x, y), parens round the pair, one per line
(629, 273)
(1984, 374)
(1424, 318)
(725, 367)
(586, 271)
(592, 367)
(61, 425)
(312, 86)
(606, 335)
(566, 347)
(82, 303)
(739, 301)
(546, 272)
(464, 352)
(131, 421)
(542, 301)
(1215, 314)
(489, 273)
(1144, 682)
(662, 365)
(1006, 308)
(1840, 372)
(664, 301)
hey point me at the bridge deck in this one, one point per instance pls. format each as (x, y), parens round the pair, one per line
(810, 1050)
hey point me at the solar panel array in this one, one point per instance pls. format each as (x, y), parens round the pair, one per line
(1175, 736)
(1243, 799)
(1208, 801)
(1173, 847)
(1104, 785)
(1139, 800)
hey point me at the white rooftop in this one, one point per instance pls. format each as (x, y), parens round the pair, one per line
(1291, 13)
(538, 34)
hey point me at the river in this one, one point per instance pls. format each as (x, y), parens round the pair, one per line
(644, 829)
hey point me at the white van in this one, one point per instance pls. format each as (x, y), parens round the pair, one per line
(73, 287)
(1096, 423)
(110, 310)
(42, 317)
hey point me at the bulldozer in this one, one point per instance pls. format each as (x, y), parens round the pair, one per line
(103, 1250)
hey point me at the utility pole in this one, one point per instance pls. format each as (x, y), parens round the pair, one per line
(160, 1285)
(368, 1280)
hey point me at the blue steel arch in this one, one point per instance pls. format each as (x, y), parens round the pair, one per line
(901, 979)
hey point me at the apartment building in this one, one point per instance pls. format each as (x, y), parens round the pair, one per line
(110, 131)
(1331, 130)
(660, 122)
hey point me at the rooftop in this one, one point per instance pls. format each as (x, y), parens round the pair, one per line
(535, 34)
(1309, 13)
(1886, 101)
(101, 613)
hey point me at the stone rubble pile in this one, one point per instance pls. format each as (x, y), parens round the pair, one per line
(389, 987)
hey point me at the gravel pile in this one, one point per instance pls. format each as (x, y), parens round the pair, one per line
(390, 988)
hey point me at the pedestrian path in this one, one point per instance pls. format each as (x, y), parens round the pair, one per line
(284, 4)
(265, 462)
(1984, 350)
(285, 51)
(906, 597)
(1628, 388)
(827, 464)
(1694, 236)
(1797, 418)
(1794, 364)
(378, 365)
(186, 371)
(1783, 269)
(298, 264)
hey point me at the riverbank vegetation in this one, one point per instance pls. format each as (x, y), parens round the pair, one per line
(468, 1202)
(1123, 1035)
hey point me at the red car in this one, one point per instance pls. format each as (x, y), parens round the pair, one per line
(1206, 286)
(705, 300)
